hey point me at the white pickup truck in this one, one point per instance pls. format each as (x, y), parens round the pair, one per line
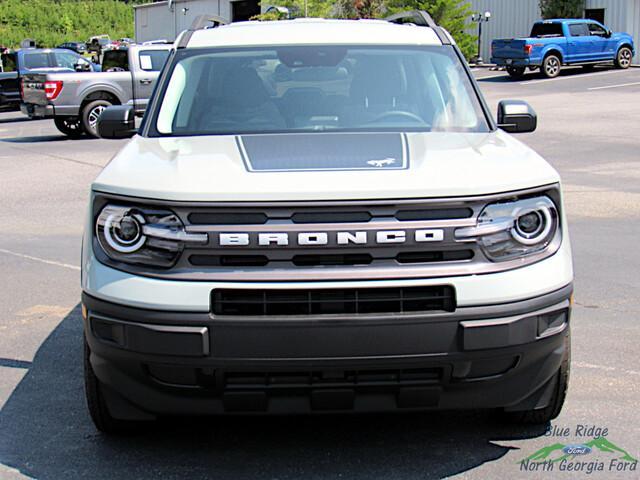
(323, 216)
(75, 100)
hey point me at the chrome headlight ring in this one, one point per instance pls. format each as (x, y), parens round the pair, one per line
(120, 244)
(515, 229)
(142, 235)
(532, 238)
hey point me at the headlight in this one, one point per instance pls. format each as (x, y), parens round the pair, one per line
(142, 236)
(515, 229)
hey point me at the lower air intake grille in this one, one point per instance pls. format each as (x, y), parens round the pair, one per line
(275, 381)
(332, 301)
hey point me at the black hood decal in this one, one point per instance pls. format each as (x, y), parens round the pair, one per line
(324, 151)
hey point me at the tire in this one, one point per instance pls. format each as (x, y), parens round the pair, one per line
(90, 114)
(551, 66)
(551, 411)
(70, 126)
(97, 404)
(516, 72)
(623, 58)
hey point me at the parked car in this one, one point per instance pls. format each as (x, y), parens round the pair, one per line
(323, 216)
(25, 61)
(96, 43)
(76, 101)
(554, 43)
(124, 41)
(78, 47)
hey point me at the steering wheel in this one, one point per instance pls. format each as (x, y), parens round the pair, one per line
(398, 113)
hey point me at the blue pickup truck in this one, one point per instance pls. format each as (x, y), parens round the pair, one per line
(558, 42)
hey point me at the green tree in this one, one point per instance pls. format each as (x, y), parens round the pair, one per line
(297, 8)
(359, 9)
(453, 15)
(51, 22)
(562, 8)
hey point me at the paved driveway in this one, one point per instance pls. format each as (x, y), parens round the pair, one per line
(588, 129)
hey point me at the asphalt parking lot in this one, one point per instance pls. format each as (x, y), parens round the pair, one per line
(589, 126)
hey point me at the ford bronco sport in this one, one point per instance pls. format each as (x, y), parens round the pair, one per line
(323, 216)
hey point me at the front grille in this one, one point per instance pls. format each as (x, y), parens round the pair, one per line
(326, 241)
(330, 217)
(434, 256)
(275, 381)
(354, 301)
(319, 215)
(227, 218)
(327, 259)
(341, 241)
(229, 260)
(319, 260)
(434, 214)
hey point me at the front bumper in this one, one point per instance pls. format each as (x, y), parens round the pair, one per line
(166, 363)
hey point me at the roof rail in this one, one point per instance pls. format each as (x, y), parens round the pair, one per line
(199, 23)
(203, 21)
(161, 41)
(421, 19)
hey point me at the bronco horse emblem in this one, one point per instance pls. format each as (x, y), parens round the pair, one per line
(382, 163)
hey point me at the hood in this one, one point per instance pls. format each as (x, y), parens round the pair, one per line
(319, 166)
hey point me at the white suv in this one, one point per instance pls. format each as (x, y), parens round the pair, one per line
(323, 216)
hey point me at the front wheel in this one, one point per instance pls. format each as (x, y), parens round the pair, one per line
(70, 126)
(623, 58)
(551, 66)
(516, 72)
(90, 114)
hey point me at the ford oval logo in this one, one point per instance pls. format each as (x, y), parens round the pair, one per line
(576, 449)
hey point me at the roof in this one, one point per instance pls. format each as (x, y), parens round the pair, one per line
(313, 31)
(564, 20)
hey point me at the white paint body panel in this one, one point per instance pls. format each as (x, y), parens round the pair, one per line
(210, 168)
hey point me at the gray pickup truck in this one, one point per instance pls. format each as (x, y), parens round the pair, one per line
(75, 101)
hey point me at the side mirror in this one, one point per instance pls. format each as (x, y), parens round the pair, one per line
(516, 116)
(82, 66)
(116, 122)
(609, 33)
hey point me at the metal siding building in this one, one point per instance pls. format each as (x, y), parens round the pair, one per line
(165, 20)
(513, 18)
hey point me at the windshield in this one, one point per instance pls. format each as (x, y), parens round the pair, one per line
(311, 88)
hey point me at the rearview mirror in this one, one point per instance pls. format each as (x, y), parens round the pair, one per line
(516, 116)
(116, 122)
